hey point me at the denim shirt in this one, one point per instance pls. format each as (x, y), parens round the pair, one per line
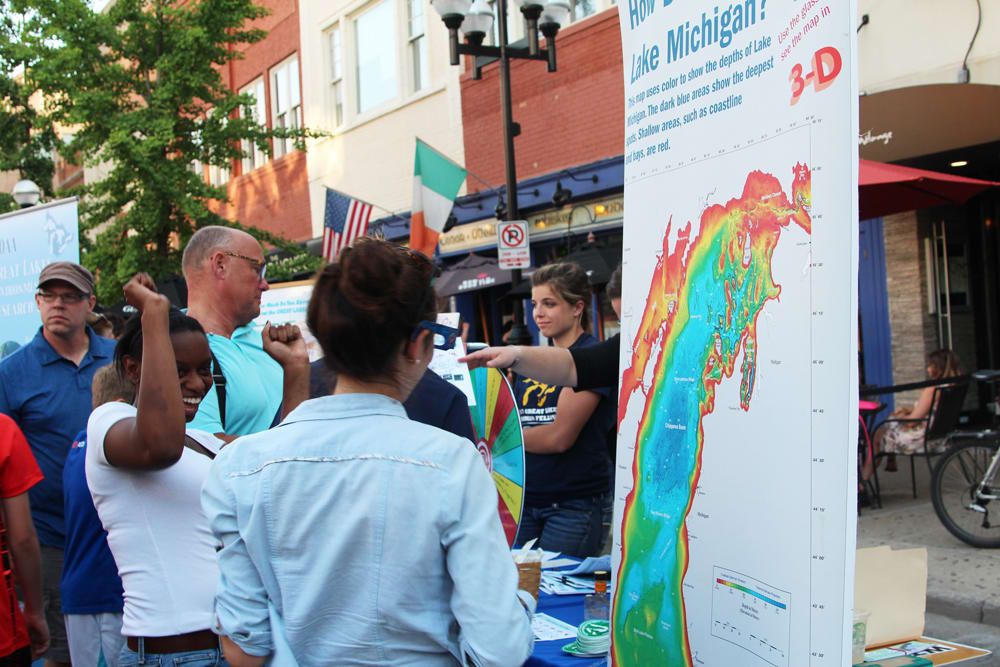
(352, 535)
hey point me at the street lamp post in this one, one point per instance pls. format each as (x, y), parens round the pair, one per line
(475, 20)
(26, 193)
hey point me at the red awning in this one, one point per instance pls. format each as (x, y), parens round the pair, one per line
(889, 188)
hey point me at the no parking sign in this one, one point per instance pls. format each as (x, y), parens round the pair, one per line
(513, 249)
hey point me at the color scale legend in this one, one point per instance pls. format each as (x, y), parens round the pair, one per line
(751, 614)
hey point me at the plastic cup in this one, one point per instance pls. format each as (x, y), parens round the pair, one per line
(529, 571)
(859, 636)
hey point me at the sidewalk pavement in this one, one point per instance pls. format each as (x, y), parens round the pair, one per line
(963, 582)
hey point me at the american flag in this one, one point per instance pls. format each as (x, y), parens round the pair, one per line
(344, 219)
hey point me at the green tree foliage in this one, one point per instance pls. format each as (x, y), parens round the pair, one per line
(140, 84)
(26, 135)
(297, 267)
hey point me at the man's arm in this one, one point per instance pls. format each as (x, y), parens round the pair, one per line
(284, 343)
(597, 365)
(552, 365)
(26, 554)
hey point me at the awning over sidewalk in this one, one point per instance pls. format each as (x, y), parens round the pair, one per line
(888, 188)
(472, 273)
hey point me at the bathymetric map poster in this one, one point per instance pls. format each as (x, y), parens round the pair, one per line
(736, 484)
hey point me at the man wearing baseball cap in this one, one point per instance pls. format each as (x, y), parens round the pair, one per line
(45, 388)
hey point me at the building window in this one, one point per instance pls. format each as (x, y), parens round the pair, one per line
(376, 73)
(286, 102)
(583, 8)
(218, 176)
(336, 74)
(417, 45)
(253, 156)
(491, 36)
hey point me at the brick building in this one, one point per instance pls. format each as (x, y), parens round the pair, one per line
(270, 193)
(568, 118)
(571, 140)
(929, 279)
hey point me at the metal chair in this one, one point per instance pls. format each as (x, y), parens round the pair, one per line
(867, 410)
(939, 425)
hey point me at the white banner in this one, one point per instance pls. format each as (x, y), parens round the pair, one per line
(30, 239)
(287, 303)
(736, 491)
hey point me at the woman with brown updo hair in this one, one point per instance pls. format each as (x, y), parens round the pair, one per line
(352, 535)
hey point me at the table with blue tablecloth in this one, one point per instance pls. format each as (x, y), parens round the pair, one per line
(568, 608)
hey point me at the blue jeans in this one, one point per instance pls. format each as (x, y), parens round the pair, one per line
(202, 658)
(571, 527)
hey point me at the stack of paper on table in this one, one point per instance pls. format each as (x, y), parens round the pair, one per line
(892, 585)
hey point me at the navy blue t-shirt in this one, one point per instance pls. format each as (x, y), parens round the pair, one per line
(582, 471)
(434, 401)
(49, 398)
(90, 582)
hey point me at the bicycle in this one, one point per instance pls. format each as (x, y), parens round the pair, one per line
(964, 488)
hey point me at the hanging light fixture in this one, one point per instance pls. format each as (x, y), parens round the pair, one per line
(531, 10)
(478, 22)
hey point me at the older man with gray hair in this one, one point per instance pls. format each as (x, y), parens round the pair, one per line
(225, 273)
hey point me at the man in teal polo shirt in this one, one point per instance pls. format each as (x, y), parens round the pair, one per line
(224, 269)
(45, 388)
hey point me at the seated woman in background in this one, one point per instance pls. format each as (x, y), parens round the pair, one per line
(903, 438)
(352, 535)
(565, 432)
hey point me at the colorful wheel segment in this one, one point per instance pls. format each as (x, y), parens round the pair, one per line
(501, 443)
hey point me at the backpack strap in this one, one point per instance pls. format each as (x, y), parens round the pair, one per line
(220, 389)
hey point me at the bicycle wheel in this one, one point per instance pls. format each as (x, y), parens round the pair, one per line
(953, 490)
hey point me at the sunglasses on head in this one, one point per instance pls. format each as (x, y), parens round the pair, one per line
(444, 336)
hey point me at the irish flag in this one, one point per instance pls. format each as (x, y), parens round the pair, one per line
(436, 181)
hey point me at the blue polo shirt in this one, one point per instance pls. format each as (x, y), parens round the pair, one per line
(90, 583)
(254, 386)
(49, 398)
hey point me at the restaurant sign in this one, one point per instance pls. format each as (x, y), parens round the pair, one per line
(481, 235)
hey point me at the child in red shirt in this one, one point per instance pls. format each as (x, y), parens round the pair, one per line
(22, 636)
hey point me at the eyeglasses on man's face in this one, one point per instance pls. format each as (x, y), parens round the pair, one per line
(70, 298)
(258, 266)
(444, 336)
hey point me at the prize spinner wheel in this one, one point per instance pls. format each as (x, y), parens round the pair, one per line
(500, 442)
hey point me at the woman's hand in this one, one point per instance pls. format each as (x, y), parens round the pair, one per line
(140, 292)
(285, 344)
